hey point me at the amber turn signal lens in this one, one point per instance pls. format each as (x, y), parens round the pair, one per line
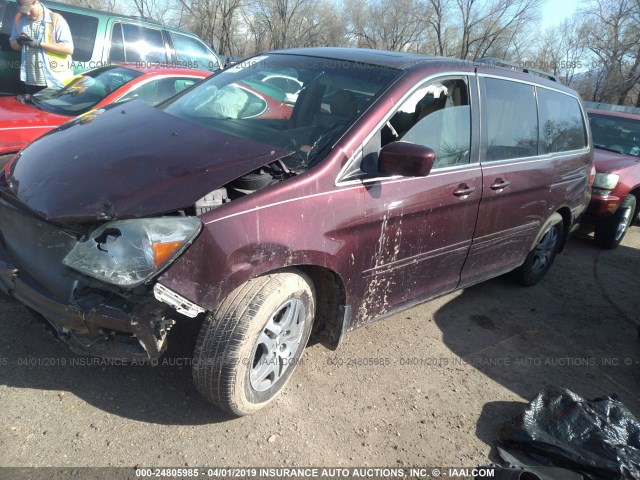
(163, 251)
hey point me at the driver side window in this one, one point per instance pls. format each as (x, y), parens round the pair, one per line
(437, 115)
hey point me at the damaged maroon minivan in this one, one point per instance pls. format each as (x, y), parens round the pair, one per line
(388, 179)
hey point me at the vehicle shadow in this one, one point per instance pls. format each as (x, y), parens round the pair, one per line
(32, 357)
(492, 418)
(574, 330)
(577, 329)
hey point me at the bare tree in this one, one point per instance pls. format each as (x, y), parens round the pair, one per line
(612, 31)
(106, 5)
(159, 10)
(467, 29)
(213, 20)
(437, 21)
(489, 29)
(562, 50)
(281, 23)
(398, 25)
(257, 32)
(332, 29)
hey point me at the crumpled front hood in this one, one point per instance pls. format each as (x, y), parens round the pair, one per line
(129, 161)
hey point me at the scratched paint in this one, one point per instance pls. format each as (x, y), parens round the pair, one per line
(376, 300)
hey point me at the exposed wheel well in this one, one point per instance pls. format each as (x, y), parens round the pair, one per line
(330, 301)
(565, 213)
(636, 193)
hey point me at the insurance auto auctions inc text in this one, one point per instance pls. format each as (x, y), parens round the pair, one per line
(318, 472)
(381, 473)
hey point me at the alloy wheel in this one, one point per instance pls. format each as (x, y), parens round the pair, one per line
(277, 344)
(544, 251)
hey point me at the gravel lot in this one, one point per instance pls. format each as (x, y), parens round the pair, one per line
(428, 387)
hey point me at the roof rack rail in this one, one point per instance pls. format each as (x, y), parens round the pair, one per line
(55, 3)
(146, 19)
(497, 62)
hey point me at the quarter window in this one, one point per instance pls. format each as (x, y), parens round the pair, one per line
(562, 125)
(193, 53)
(511, 119)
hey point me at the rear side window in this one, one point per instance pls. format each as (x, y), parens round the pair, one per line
(134, 43)
(511, 119)
(83, 31)
(562, 126)
(192, 53)
(287, 85)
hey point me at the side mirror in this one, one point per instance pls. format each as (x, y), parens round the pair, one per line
(406, 159)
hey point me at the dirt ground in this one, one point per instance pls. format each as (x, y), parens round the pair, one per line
(429, 387)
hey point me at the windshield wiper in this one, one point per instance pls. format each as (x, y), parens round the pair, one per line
(28, 99)
(284, 168)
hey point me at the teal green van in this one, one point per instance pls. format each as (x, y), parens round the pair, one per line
(101, 38)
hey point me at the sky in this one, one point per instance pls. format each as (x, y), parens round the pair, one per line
(555, 11)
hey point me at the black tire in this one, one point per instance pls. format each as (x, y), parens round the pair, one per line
(610, 232)
(541, 257)
(241, 362)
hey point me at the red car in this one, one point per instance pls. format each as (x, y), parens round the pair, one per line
(616, 188)
(26, 117)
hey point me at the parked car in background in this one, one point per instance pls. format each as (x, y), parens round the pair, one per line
(616, 188)
(102, 38)
(376, 191)
(24, 118)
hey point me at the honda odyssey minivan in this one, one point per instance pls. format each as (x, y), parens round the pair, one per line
(387, 180)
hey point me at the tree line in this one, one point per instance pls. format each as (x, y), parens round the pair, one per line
(596, 50)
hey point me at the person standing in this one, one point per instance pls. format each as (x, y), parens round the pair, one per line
(45, 41)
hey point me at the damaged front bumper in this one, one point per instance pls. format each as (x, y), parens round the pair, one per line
(101, 328)
(92, 321)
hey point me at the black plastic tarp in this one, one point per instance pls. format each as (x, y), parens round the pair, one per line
(599, 439)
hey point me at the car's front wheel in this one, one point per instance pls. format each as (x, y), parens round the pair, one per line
(248, 348)
(540, 259)
(611, 231)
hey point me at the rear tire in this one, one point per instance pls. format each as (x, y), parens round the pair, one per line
(248, 348)
(610, 232)
(540, 259)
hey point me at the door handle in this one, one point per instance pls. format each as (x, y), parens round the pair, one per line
(499, 184)
(464, 190)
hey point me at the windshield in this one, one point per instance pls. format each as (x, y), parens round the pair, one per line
(616, 133)
(83, 92)
(298, 103)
